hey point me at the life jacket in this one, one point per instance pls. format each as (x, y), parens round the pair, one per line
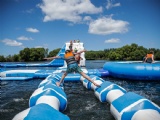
(69, 57)
(149, 55)
(149, 58)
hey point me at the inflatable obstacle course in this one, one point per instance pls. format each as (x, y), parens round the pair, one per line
(41, 74)
(46, 103)
(49, 100)
(123, 105)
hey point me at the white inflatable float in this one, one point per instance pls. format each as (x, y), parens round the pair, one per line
(46, 103)
(124, 105)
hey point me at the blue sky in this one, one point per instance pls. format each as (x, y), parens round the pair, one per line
(100, 24)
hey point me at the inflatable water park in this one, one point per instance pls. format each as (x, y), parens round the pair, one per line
(49, 101)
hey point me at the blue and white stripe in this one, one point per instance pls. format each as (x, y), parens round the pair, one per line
(49, 90)
(131, 106)
(123, 105)
(109, 91)
(41, 112)
(46, 102)
(87, 84)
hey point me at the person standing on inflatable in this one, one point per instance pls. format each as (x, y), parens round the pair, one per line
(72, 65)
(149, 57)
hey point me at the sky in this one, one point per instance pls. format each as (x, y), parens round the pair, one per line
(99, 24)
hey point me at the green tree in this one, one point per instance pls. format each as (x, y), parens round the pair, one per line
(127, 52)
(2, 58)
(25, 54)
(157, 55)
(9, 58)
(16, 58)
(54, 52)
(90, 55)
(37, 54)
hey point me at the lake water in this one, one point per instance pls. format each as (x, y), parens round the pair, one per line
(82, 103)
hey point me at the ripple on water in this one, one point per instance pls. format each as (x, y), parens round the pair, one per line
(18, 99)
(83, 105)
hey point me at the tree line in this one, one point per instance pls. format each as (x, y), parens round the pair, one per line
(127, 52)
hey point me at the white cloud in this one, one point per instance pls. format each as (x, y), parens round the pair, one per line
(38, 47)
(87, 18)
(10, 42)
(107, 25)
(67, 10)
(42, 46)
(24, 38)
(33, 30)
(111, 5)
(112, 40)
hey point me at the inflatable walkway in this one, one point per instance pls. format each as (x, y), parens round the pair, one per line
(48, 101)
(123, 105)
(41, 74)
